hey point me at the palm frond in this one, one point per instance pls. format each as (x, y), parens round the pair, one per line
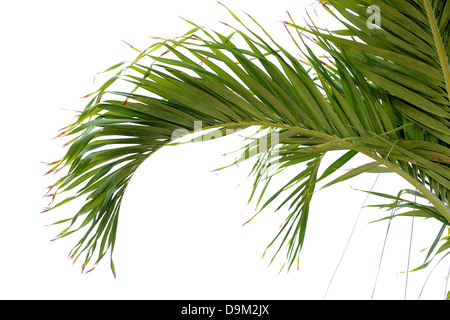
(382, 91)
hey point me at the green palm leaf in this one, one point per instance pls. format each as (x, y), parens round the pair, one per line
(383, 91)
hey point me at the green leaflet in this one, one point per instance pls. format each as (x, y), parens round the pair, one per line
(353, 173)
(338, 164)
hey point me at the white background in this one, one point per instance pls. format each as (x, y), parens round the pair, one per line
(180, 234)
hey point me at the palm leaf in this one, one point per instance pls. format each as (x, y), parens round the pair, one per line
(382, 92)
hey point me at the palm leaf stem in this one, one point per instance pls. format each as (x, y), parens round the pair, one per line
(439, 44)
(421, 187)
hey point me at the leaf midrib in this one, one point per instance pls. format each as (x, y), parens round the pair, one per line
(439, 44)
(427, 193)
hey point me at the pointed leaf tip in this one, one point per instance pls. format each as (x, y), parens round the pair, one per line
(87, 96)
(90, 270)
(132, 47)
(46, 209)
(51, 170)
(113, 269)
(61, 134)
(249, 15)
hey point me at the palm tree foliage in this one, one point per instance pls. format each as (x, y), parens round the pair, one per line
(382, 91)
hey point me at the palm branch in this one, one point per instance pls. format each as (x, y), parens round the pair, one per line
(380, 91)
